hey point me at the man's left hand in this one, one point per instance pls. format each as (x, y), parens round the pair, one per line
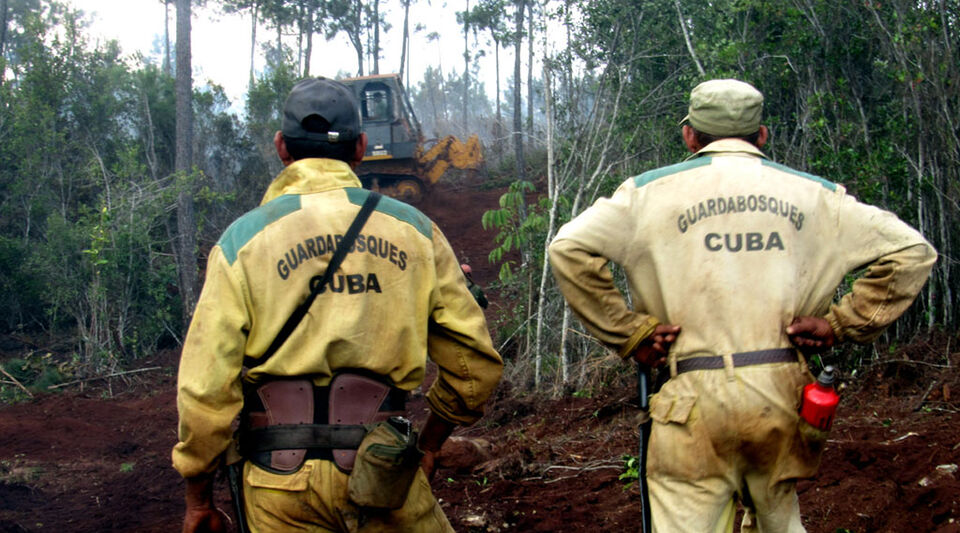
(653, 350)
(432, 436)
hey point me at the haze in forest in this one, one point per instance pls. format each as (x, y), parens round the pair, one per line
(221, 40)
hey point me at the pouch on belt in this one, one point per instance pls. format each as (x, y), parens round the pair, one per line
(385, 466)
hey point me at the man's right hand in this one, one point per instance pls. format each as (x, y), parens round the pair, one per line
(811, 334)
(203, 520)
(653, 350)
(202, 516)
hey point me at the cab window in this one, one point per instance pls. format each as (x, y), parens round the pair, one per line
(376, 102)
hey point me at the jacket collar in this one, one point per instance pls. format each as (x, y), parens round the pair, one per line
(729, 146)
(311, 175)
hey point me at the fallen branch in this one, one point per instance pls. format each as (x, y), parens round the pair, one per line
(890, 442)
(15, 382)
(115, 374)
(582, 470)
(925, 395)
(907, 362)
(590, 467)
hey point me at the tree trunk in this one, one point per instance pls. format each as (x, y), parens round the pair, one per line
(405, 47)
(253, 40)
(517, 101)
(167, 64)
(567, 90)
(466, 64)
(356, 36)
(498, 125)
(553, 195)
(279, 35)
(4, 14)
(301, 14)
(3, 26)
(186, 224)
(308, 51)
(686, 38)
(376, 37)
(530, 70)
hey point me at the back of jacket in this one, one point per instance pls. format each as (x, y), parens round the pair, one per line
(398, 295)
(731, 247)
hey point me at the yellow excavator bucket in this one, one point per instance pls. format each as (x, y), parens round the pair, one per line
(451, 152)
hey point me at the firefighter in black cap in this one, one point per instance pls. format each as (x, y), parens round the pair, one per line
(312, 404)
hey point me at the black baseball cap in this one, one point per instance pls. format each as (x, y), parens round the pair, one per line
(326, 99)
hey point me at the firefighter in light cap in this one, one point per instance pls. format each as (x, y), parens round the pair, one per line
(732, 261)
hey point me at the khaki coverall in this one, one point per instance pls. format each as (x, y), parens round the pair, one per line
(732, 247)
(398, 295)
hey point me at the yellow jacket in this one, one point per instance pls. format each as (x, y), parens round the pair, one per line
(731, 247)
(398, 296)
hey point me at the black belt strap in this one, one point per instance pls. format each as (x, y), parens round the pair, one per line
(759, 357)
(317, 283)
(299, 436)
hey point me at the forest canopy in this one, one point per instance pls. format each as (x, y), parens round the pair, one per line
(865, 94)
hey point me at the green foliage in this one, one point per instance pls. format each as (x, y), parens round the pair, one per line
(517, 228)
(35, 371)
(87, 190)
(631, 469)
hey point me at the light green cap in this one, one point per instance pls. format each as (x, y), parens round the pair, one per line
(725, 108)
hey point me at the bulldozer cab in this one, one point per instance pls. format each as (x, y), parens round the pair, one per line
(398, 161)
(388, 120)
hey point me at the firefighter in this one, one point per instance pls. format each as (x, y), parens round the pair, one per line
(398, 296)
(475, 289)
(732, 261)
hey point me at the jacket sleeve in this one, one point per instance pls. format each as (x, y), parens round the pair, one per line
(898, 262)
(580, 256)
(209, 393)
(459, 343)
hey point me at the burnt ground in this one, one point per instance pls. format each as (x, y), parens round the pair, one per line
(96, 458)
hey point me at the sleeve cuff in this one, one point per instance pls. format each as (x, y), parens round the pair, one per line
(835, 325)
(644, 330)
(437, 406)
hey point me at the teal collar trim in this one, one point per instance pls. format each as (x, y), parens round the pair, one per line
(826, 183)
(399, 210)
(657, 173)
(246, 227)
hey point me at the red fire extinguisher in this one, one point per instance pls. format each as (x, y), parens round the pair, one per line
(820, 400)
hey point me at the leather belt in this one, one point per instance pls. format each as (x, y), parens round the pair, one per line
(293, 436)
(759, 357)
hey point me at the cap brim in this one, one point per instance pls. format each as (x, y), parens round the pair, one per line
(684, 120)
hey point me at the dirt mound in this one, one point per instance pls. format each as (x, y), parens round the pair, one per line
(458, 208)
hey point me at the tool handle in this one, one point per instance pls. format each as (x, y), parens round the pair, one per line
(643, 398)
(235, 480)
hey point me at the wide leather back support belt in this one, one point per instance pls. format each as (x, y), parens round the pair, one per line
(759, 357)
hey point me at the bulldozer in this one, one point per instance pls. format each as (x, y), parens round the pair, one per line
(399, 161)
